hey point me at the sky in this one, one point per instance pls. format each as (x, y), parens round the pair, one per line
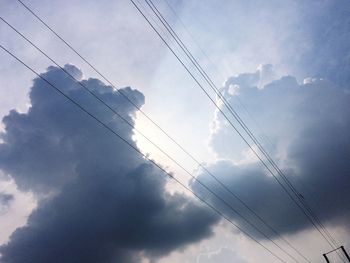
(72, 191)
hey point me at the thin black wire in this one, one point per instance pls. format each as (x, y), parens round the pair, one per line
(180, 42)
(266, 138)
(340, 255)
(212, 63)
(145, 137)
(204, 53)
(128, 99)
(343, 258)
(229, 121)
(139, 152)
(107, 80)
(113, 86)
(236, 115)
(311, 217)
(161, 17)
(191, 35)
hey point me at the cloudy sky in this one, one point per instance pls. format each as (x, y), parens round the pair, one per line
(73, 191)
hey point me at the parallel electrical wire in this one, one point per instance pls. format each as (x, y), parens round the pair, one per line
(266, 138)
(189, 33)
(150, 141)
(76, 103)
(45, 24)
(106, 78)
(213, 64)
(161, 17)
(127, 98)
(215, 104)
(235, 128)
(312, 215)
(209, 81)
(301, 205)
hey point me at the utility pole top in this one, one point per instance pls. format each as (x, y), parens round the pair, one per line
(343, 250)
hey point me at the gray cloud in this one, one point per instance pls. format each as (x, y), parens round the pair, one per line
(223, 255)
(107, 203)
(43, 147)
(244, 85)
(309, 127)
(5, 201)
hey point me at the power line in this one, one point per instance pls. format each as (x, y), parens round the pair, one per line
(197, 65)
(83, 57)
(154, 144)
(228, 120)
(130, 101)
(266, 138)
(254, 120)
(204, 53)
(189, 33)
(139, 152)
(211, 99)
(106, 79)
(310, 216)
(112, 85)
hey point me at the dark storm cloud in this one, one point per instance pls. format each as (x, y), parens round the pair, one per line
(309, 126)
(43, 148)
(107, 203)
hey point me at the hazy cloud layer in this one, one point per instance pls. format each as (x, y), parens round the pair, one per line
(308, 126)
(224, 255)
(107, 203)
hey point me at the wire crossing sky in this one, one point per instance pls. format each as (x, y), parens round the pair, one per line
(302, 203)
(215, 89)
(102, 196)
(162, 169)
(194, 178)
(216, 195)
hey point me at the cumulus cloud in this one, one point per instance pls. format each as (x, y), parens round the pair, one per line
(41, 147)
(99, 200)
(235, 88)
(308, 125)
